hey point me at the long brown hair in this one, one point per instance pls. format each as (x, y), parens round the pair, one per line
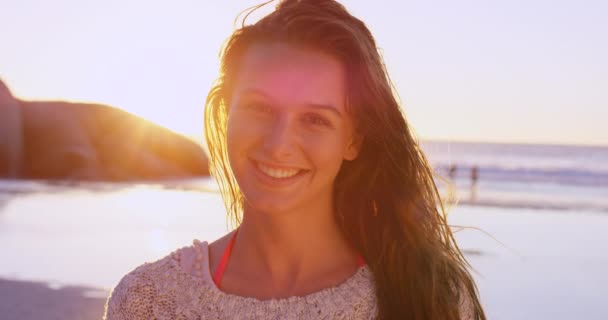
(386, 200)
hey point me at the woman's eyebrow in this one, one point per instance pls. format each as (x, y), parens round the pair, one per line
(325, 107)
(254, 92)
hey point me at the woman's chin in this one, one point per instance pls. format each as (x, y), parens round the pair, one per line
(270, 208)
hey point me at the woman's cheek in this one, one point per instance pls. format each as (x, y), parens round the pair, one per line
(240, 127)
(327, 149)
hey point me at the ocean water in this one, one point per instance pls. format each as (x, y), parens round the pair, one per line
(524, 175)
(538, 242)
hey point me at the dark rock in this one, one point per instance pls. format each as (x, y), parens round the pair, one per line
(79, 141)
(10, 134)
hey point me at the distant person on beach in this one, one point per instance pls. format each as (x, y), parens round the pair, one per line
(474, 178)
(474, 175)
(336, 209)
(452, 172)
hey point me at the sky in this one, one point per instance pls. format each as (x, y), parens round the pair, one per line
(518, 71)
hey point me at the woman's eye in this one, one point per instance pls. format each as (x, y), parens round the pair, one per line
(259, 107)
(317, 120)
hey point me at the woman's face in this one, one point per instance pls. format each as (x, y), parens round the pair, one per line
(288, 130)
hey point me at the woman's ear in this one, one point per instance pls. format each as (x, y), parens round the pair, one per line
(353, 147)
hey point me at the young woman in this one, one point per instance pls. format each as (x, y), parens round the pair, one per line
(337, 211)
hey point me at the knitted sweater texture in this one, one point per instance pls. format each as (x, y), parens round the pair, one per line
(164, 290)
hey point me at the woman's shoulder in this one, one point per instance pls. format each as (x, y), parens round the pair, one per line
(137, 292)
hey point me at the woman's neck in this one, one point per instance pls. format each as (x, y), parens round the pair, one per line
(290, 247)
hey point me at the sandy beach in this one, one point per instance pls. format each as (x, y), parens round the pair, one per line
(65, 247)
(25, 300)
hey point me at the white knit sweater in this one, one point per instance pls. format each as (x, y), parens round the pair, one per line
(164, 290)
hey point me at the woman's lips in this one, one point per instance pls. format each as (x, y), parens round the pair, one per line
(277, 175)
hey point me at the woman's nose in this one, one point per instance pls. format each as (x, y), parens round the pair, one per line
(280, 139)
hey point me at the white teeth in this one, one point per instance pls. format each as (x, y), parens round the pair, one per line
(278, 173)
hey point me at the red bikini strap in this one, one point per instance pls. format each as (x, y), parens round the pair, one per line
(360, 261)
(221, 268)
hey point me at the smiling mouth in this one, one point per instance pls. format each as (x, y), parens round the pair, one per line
(278, 173)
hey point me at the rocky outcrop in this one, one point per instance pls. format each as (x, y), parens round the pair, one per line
(11, 137)
(62, 140)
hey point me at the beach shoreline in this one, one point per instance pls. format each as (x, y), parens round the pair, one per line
(29, 300)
